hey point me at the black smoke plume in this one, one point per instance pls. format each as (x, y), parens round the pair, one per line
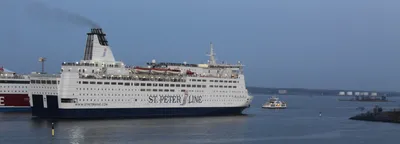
(43, 11)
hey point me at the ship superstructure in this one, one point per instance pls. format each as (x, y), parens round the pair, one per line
(13, 91)
(101, 87)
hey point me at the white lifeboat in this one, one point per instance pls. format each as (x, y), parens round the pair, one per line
(158, 70)
(173, 71)
(142, 70)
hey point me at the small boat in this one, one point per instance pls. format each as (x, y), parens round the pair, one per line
(142, 70)
(158, 70)
(274, 103)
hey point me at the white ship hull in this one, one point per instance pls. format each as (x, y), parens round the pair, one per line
(54, 112)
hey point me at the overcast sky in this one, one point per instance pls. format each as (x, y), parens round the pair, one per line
(337, 44)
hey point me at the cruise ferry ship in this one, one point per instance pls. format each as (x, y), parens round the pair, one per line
(101, 87)
(13, 91)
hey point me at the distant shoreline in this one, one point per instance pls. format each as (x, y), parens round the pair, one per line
(312, 92)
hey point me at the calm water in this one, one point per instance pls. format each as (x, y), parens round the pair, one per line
(299, 123)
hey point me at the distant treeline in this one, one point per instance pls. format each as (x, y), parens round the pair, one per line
(314, 92)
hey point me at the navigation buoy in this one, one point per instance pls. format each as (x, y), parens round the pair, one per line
(52, 129)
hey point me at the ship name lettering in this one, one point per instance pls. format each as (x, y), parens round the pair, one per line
(174, 99)
(165, 99)
(152, 99)
(170, 99)
(1, 101)
(195, 99)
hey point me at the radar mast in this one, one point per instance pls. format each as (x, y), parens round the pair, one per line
(212, 54)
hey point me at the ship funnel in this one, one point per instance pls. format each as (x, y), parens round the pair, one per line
(97, 48)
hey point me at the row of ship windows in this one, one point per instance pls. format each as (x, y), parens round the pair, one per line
(229, 91)
(45, 93)
(220, 86)
(67, 100)
(13, 91)
(216, 81)
(111, 89)
(44, 82)
(48, 93)
(113, 83)
(128, 100)
(13, 86)
(44, 87)
(83, 94)
(14, 82)
(89, 64)
(155, 84)
(155, 90)
(160, 90)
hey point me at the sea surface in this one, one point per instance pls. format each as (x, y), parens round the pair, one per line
(300, 123)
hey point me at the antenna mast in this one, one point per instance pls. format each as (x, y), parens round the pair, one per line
(42, 60)
(212, 54)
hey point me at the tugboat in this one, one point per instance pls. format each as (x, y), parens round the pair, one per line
(274, 103)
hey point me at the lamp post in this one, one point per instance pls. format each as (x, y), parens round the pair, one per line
(42, 60)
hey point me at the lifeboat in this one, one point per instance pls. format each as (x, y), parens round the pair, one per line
(173, 71)
(158, 70)
(142, 70)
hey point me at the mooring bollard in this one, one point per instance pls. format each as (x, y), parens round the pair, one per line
(52, 129)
